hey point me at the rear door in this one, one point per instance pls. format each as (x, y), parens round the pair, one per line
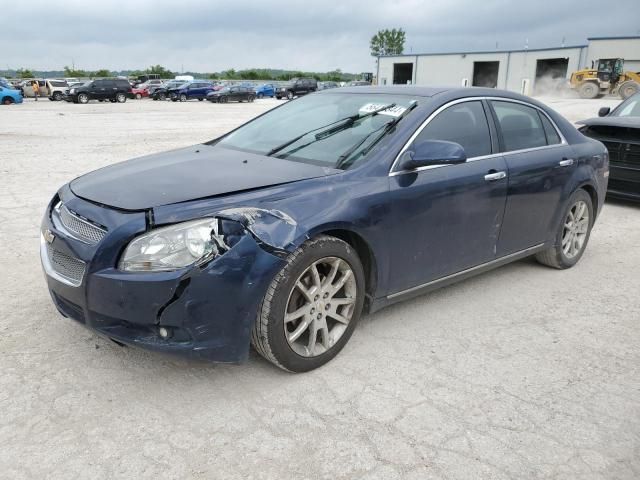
(447, 218)
(540, 163)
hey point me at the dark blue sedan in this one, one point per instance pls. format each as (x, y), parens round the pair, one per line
(284, 231)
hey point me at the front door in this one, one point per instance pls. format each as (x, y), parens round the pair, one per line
(448, 218)
(539, 165)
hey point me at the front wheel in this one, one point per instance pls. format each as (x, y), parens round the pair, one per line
(573, 233)
(260, 95)
(7, 101)
(251, 98)
(628, 88)
(183, 98)
(138, 96)
(83, 98)
(312, 306)
(121, 98)
(289, 95)
(57, 96)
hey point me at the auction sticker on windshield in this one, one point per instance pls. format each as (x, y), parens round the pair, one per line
(394, 111)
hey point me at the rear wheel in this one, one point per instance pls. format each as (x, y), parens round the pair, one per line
(251, 98)
(628, 88)
(83, 98)
(162, 96)
(183, 97)
(589, 90)
(138, 96)
(573, 233)
(121, 98)
(311, 307)
(7, 101)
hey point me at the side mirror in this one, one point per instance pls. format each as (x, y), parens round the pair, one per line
(604, 111)
(432, 152)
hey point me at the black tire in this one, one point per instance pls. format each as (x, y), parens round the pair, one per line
(51, 99)
(200, 99)
(628, 88)
(163, 96)
(57, 96)
(268, 334)
(251, 98)
(555, 257)
(7, 101)
(289, 95)
(83, 98)
(138, 96)
(121, 97)
(260, 95)
(278, 97)
(183, 97)
(589, 90)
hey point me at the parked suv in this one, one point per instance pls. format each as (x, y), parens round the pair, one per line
(112, 89)
(297, 87)
(55, 89)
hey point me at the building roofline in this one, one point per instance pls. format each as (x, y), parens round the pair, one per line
(628, 37)
(572, 47)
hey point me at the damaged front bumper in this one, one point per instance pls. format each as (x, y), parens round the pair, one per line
(204, 312)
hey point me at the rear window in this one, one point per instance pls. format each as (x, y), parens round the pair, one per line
(521, 126)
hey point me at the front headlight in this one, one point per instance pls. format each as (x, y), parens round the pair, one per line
(73, 90)
(171, 248)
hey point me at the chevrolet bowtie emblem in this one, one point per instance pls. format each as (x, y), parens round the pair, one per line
(48, 236)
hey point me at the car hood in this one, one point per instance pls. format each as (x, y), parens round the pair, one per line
(190, 173)
(632, 122)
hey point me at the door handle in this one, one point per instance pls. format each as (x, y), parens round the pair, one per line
(492, 177)
(566, 162)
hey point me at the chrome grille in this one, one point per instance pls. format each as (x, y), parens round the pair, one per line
(66, 266)
(81, 228)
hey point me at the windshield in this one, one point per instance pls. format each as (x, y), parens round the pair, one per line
(628, 108)
(324, 128)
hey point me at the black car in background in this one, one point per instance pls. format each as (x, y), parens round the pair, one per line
(161, 93)
(619, 130)
(297, 87)
(234, 93)
(112, 89)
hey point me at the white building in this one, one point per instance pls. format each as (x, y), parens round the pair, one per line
(523, 71)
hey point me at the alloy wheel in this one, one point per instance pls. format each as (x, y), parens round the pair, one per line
(320, 306)
(576, 227)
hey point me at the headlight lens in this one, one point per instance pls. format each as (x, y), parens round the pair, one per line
(171, 248)
(73, 90)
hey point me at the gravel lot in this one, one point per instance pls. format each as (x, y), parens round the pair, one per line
(522, 373)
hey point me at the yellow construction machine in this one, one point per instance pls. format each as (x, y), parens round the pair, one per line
(608, 77)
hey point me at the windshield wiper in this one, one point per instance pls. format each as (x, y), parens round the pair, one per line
(348, 121)
(343, 160)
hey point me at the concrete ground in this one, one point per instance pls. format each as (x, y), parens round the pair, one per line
(521, 373)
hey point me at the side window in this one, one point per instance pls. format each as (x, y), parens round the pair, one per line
(521, 126)
(99, 83)
(552, 135)
(464, 123)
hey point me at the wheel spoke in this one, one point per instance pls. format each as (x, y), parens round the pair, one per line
(307, 294)
(315, 275)
(332, 273)
(342, 301)
(313, 338)
(290, 317)
(338, 318)
(340, 283)
(300, 329)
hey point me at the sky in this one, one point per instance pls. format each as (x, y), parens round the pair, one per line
(210, 35)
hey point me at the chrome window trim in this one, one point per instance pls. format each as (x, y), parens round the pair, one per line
(393, 173)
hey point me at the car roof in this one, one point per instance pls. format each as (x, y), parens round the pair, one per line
(418, 91)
